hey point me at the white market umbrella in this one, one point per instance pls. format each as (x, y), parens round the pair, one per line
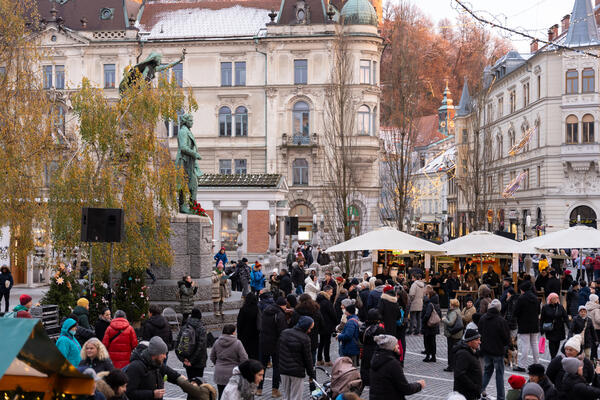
(483, 242)
(385, 238)
(575, 237)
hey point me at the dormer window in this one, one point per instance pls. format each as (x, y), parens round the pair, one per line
(301, 12)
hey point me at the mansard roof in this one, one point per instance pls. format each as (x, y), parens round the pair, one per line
(105, 15)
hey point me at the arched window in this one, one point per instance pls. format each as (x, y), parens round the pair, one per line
(511, 138)
(364, 120)
(572, 78)
(301, 116)
(588, 129)
(224, 121)
(572, 135)
(499, 148)
(583, 215)
(354, 220)
(241, 121)
(588, 83)
(300, 172)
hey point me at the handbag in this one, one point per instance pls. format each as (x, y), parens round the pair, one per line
(547, 326)
(542, 345)
(434, 319)
(458, 325)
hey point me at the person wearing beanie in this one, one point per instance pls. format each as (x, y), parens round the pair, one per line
(431, 305)
(495, 337)
(531, 390)
(516, 383)
(219, 289)
(571, 348)
(22, 310)
(537, 374)
(113, 384)
(120, 340)
(187, 289)
(389, 310)
(593, 312)
(467, 368)
(272, 324)
(372, 328)
(348, 338)
(327, 327)
(295, 358)
(553, 320)
(386, 377)
(82, 313)
(92, 374)
(221, 256)
(146, 372)
(468, 311)
(526, 313)
(582, 325)
(193, 359)
(67, 344)
(309, 308)
(574, 385)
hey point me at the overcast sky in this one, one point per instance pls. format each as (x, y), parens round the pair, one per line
(535, 16)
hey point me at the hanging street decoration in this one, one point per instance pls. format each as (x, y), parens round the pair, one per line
(514, 185)
(523, 142)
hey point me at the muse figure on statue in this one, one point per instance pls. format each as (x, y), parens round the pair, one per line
(187, 155)
(147, 69)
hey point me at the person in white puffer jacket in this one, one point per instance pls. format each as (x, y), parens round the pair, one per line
(311, 286)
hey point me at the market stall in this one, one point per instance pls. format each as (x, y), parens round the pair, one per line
(32, 368)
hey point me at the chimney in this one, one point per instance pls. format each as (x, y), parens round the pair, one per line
(597, 12)
(553, 33)
(565, 23)
(534, 46)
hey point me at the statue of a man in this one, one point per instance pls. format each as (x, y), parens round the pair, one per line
(187, 154)
(147, 69)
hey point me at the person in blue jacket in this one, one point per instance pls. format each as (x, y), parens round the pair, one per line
(67, 344)
(257, 278)
(349, 337)
(221, 256)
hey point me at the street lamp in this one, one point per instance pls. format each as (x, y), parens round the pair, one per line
(240, 229)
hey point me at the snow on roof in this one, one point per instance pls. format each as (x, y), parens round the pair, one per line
(440, 163)
(196, 22)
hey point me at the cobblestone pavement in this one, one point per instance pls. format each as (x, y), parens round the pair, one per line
(438, 382)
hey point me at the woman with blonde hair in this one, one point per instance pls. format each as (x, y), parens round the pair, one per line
(94, 355)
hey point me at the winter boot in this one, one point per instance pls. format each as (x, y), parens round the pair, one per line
(275, 393)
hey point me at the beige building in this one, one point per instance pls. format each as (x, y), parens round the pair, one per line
(258, 70)
(550, 97)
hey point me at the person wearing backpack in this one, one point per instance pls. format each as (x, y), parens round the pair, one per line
(191, 345)
(430, 322)
(453, 330)
(21, 310)
(371, 328)
(120, 340)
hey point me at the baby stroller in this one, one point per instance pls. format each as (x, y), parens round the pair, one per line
(345, 377)
(322, 392)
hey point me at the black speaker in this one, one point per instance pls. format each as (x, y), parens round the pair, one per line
(102, 224)
(291, 226)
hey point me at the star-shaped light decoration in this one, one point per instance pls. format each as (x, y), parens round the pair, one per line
(60, 281)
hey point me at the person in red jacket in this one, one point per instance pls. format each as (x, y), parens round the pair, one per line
(120, 340)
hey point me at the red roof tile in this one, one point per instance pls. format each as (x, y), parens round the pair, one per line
(427, 131)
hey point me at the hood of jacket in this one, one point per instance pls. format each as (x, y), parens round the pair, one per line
(387, 297)
(66, 326)
(529, 297)
(382, 357)
(119, 324)
(104, 387)
(79, 310)
(590, 305)
(309, 281)
(157, 320)
(419, 283)
(322, 295)
(20, 307)
(272, 309)
(195, 322)
(226, 340)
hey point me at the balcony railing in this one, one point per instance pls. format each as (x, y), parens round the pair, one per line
(299, 140)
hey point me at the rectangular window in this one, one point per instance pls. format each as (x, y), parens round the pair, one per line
(240, 73)
(240, 167)
(513, 101)
(47, 76)
(225, 74)
(229, 233)
(526, 180)
(539, 176)
(500, 107)
(2, 72)
(365, 71)
(178, 74)
(588, 80)
(225, 167)
(539, 87)
(300, 72)
(500, 182)
(109, 76)
(526, 94)
(572, 80)
(465, 136)
(59, 76)
(374, 72)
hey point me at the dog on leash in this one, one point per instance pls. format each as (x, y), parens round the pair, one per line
(510, 357)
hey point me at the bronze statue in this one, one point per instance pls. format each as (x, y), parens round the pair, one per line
(147, 69)
(187, 155)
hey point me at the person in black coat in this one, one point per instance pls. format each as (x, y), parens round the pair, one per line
(571, 348)
(367, 333)
(329, 281)
(581, 322)
(389, 310)
(553, 320)
(537, 375)
(309, 308)
(247, 325)
(526, 313)
(327, 327)
(363, 293)
(574, 385)
(295, 351)
(272, 323)
(157, 325)
(6, 284)
(431, 304)
(195, 364)
(285, 283)
(467, 368)
(337, 306)
(387, 380)
(102, 323)
(552, 284)
(495, 336)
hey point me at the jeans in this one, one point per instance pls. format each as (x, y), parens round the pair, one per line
(451, 343)
(415, 322)
(6, 296)
(291, 387)
(299, 290)
(324, 345)
(491, 363)
(264, 359)
(525, 341)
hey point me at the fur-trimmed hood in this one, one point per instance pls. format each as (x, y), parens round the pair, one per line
(387, 297)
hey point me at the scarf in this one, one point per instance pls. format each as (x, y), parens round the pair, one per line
(245, 388)
(20, 308)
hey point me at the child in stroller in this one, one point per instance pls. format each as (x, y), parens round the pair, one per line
(344, 378)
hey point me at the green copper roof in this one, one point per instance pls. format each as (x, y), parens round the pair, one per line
(359, 12)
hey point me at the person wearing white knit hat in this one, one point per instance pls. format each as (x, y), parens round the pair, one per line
(593, 312)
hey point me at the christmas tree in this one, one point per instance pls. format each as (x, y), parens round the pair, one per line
(131, 295)
(99, 296)
(64, 290)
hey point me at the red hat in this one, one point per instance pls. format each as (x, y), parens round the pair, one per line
(222, 248)
(339, 279)
(516, 381)
(24, 299)
(568, 272)
(387, 288)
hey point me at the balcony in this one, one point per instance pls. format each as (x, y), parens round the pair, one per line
(299, 140)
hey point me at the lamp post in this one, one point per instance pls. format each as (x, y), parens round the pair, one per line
(315, 230)
(240, 229)
(272, 233)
